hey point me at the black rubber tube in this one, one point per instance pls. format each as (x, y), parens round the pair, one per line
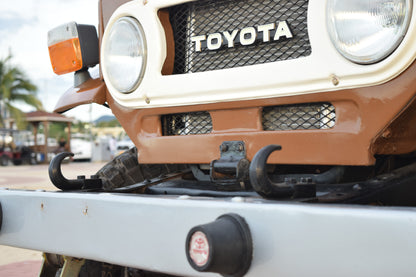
(230, 249)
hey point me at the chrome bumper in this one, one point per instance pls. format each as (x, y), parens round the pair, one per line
(149, 232)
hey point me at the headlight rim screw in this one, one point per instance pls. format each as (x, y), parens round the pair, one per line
(335, 80)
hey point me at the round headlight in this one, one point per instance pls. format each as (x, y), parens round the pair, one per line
(368, 31)
(124, 54)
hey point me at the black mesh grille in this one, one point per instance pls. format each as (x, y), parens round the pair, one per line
(299, 117)
(186, 124)
(216, 16)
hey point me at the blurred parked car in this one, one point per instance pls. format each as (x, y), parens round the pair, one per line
(81, 146)
(123, 145)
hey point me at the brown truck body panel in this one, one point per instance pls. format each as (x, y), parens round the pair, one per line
(364, 117)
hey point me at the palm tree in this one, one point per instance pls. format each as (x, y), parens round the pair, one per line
(15, 88)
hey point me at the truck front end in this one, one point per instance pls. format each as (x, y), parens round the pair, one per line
(267, 109)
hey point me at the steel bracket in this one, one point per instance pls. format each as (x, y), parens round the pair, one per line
(232, 167)
(72, 267)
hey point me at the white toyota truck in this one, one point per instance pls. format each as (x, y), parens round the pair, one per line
(272, 138)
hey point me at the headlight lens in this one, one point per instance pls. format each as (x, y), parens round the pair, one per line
(367, 31)
(125, 54)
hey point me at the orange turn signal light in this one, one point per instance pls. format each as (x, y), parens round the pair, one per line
(66, 56)
(72, 47)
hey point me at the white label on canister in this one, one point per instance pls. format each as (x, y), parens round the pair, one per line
(199, 248)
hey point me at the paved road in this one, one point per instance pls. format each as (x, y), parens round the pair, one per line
(15, 262)
(36, 176)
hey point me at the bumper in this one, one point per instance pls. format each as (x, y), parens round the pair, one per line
(150, 232)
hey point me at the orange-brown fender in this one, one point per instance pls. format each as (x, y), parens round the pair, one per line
(91, 91)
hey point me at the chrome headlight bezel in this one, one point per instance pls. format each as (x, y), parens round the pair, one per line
(374, 39)
(124, 54)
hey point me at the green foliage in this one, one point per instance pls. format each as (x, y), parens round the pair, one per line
(79, 127)
(57, 130)
(111, 123)
(15, 87)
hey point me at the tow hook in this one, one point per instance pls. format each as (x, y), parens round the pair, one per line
(59, 181)
(224, 246)
(262, 184)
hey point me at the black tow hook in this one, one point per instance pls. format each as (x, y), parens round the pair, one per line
(260, 180)
(59, 181)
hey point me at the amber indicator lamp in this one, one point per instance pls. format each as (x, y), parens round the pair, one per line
(73, 47)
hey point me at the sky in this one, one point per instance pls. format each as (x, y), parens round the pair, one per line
(24, 25)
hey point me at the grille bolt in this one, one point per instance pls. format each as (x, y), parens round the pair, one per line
(386, 134)
(147, 100)
(224, 148)
(144, 2)
(240, 147)
(335, 80)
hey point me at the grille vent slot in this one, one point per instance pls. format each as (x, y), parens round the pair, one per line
(183, 124)
(299, 117)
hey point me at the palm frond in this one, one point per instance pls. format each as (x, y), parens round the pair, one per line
(28, 99)
(18, 116)
(15, 87)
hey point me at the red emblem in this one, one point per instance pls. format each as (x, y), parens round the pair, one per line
(199, 248)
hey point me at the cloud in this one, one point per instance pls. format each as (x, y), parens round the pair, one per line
(28, 39)
(11, 22)
(24, 25)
